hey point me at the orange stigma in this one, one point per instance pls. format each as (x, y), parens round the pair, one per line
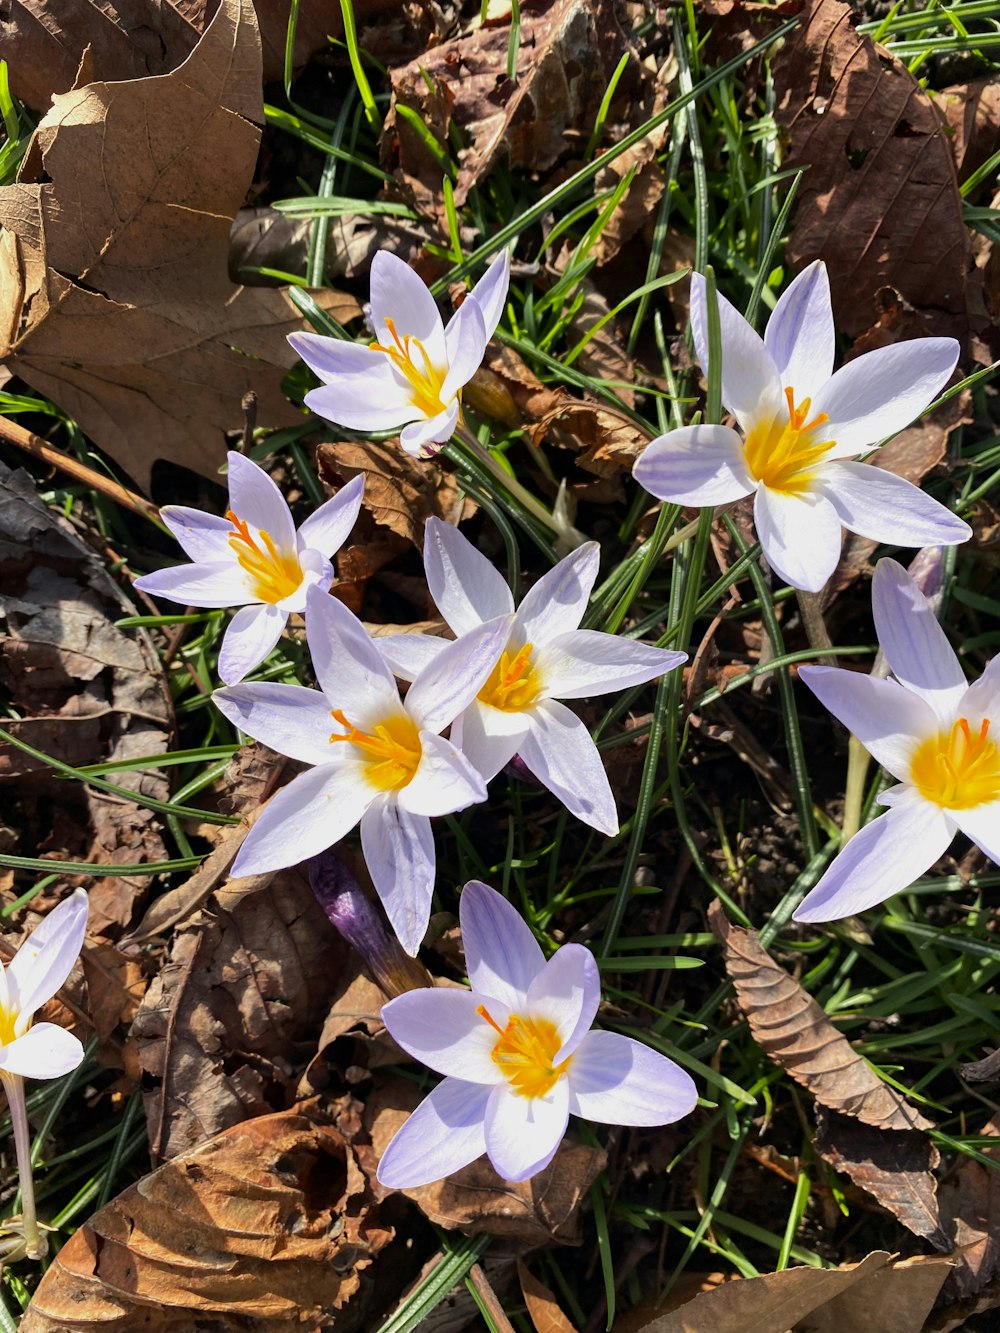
(391, 750)
(425, 380)
(276, 574)
(782, 456)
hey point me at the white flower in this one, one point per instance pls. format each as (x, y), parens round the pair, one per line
(377, 759)
(255, 559)
(801, 424)
(415, 371)
(935, 733)
(518, 1056)
(545, 658)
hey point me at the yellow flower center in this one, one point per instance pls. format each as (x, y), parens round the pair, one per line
(391, 750)
(525, 1052)
(276, 574)
(513, 684)
(425, 380)
(8, 1025)
(958, 769)
(782, 456)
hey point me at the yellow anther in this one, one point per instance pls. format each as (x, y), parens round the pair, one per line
(958, 769)
(513, 684)
(781, 456)
(425, 380)
(391, 750)
(276, 574)
(525, 1053)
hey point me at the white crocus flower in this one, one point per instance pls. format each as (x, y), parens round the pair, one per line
(935, 733)
(518, 1056)
(376, 759)
(415, 370)
(545, 658)
(255, 559)
(801, 425)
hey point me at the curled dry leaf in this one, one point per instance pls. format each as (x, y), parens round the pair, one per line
(264, 1227)
(543, 1308)
(970, 1208)
(790, 1027)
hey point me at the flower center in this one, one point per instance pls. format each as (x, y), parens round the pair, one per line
(513, 684)
(525, 1052)
(391, 750)
(8, 1025)
(782, 456)
(424, 379)
(276, 574)
(958, 769)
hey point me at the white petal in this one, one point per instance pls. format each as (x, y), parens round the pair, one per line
(800, 334)
(981, 701)
(408, 654)
(255, 499)
(878, 504)
(221, 584)
(291, 719)
(586, 662)
(45, 1051)
(398, 294)
(799, 535)
(466, 587)
(330, 525)
(695, 465)
(376, 402)
(617, 1081)
(351, 671)
(419, 439)
(559, 750)
(313, 812)
(489, 737)
(465, 339)
(317, 572)
(45, 959)
(445, 780)
(982, 825)
(915, 645)
(204, 538)
(335, 359)
(502, 956)
(888, 720)
(444, 1029)
(252, 633)
(444, 1133)
(751, 385)
(459, 671)
(490, 292)
(567, 992)
(884, 858)
(557, 602)
(880, 392)
(523, 1133)
(399, 853)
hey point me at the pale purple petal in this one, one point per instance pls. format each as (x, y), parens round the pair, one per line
(880, 392)
(419, 439)
(408, 654)
(876, 503)
(489, 737)
(45, 959)
(397, 294)
(317, 572)
(502, 956)
(450, 683)
(44, 1051)
(915, 645)
(250, 636)
(617, 1081)
(490, 292)
(313, 812)
(255, 499)
(466, 587)
(559, 750)
(445, 1133)
(751, 385)
(376, 402)
(889, 721)
(203, 537)
(222, 584)
(444, 782)
(557, 602)
(348, 665)
(884, 858)
(982, 699)
(585, 662)
(523, 1133)
(328, 527)
(800, 334)
(443, 1028)
(567, 992)
(399, 853)
(799, 535)
(465, 339)
(291, 719)
(981, 823)
(695, 465)
(335, 359)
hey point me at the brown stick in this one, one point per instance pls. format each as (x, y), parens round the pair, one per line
(488, 1297)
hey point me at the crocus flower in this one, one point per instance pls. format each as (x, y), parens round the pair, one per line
(801, 425)
(545, 658)
(253, 558)
(36, 1050)
(413, 373)
(935, 733)
(518, 1056)
(376, 759)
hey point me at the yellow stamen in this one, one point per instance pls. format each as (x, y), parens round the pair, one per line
(391, 750)
(513, 684)
(782, 456)
(525, 1052)
(276, 574)
(958, 769)
(425, 380)
(8, 1026)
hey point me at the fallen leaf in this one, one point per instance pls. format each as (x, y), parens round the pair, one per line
(115, 987)
(790, 1027)
(543, 1308)
(969, 1198)
(972, 112)
(986, 1070)
(265, 1226)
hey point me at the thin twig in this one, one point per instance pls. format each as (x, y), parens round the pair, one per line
(489, 1299)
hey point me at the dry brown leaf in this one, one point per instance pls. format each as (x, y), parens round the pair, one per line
(263, 1227)
(879, 1293)
(114, 266)
(970, 1207)
(543, 1308)
(790, 1027)
(972, 112)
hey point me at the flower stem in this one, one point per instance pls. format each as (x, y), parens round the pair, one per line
(36, 1245)
(858, 760)
(811, 611)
